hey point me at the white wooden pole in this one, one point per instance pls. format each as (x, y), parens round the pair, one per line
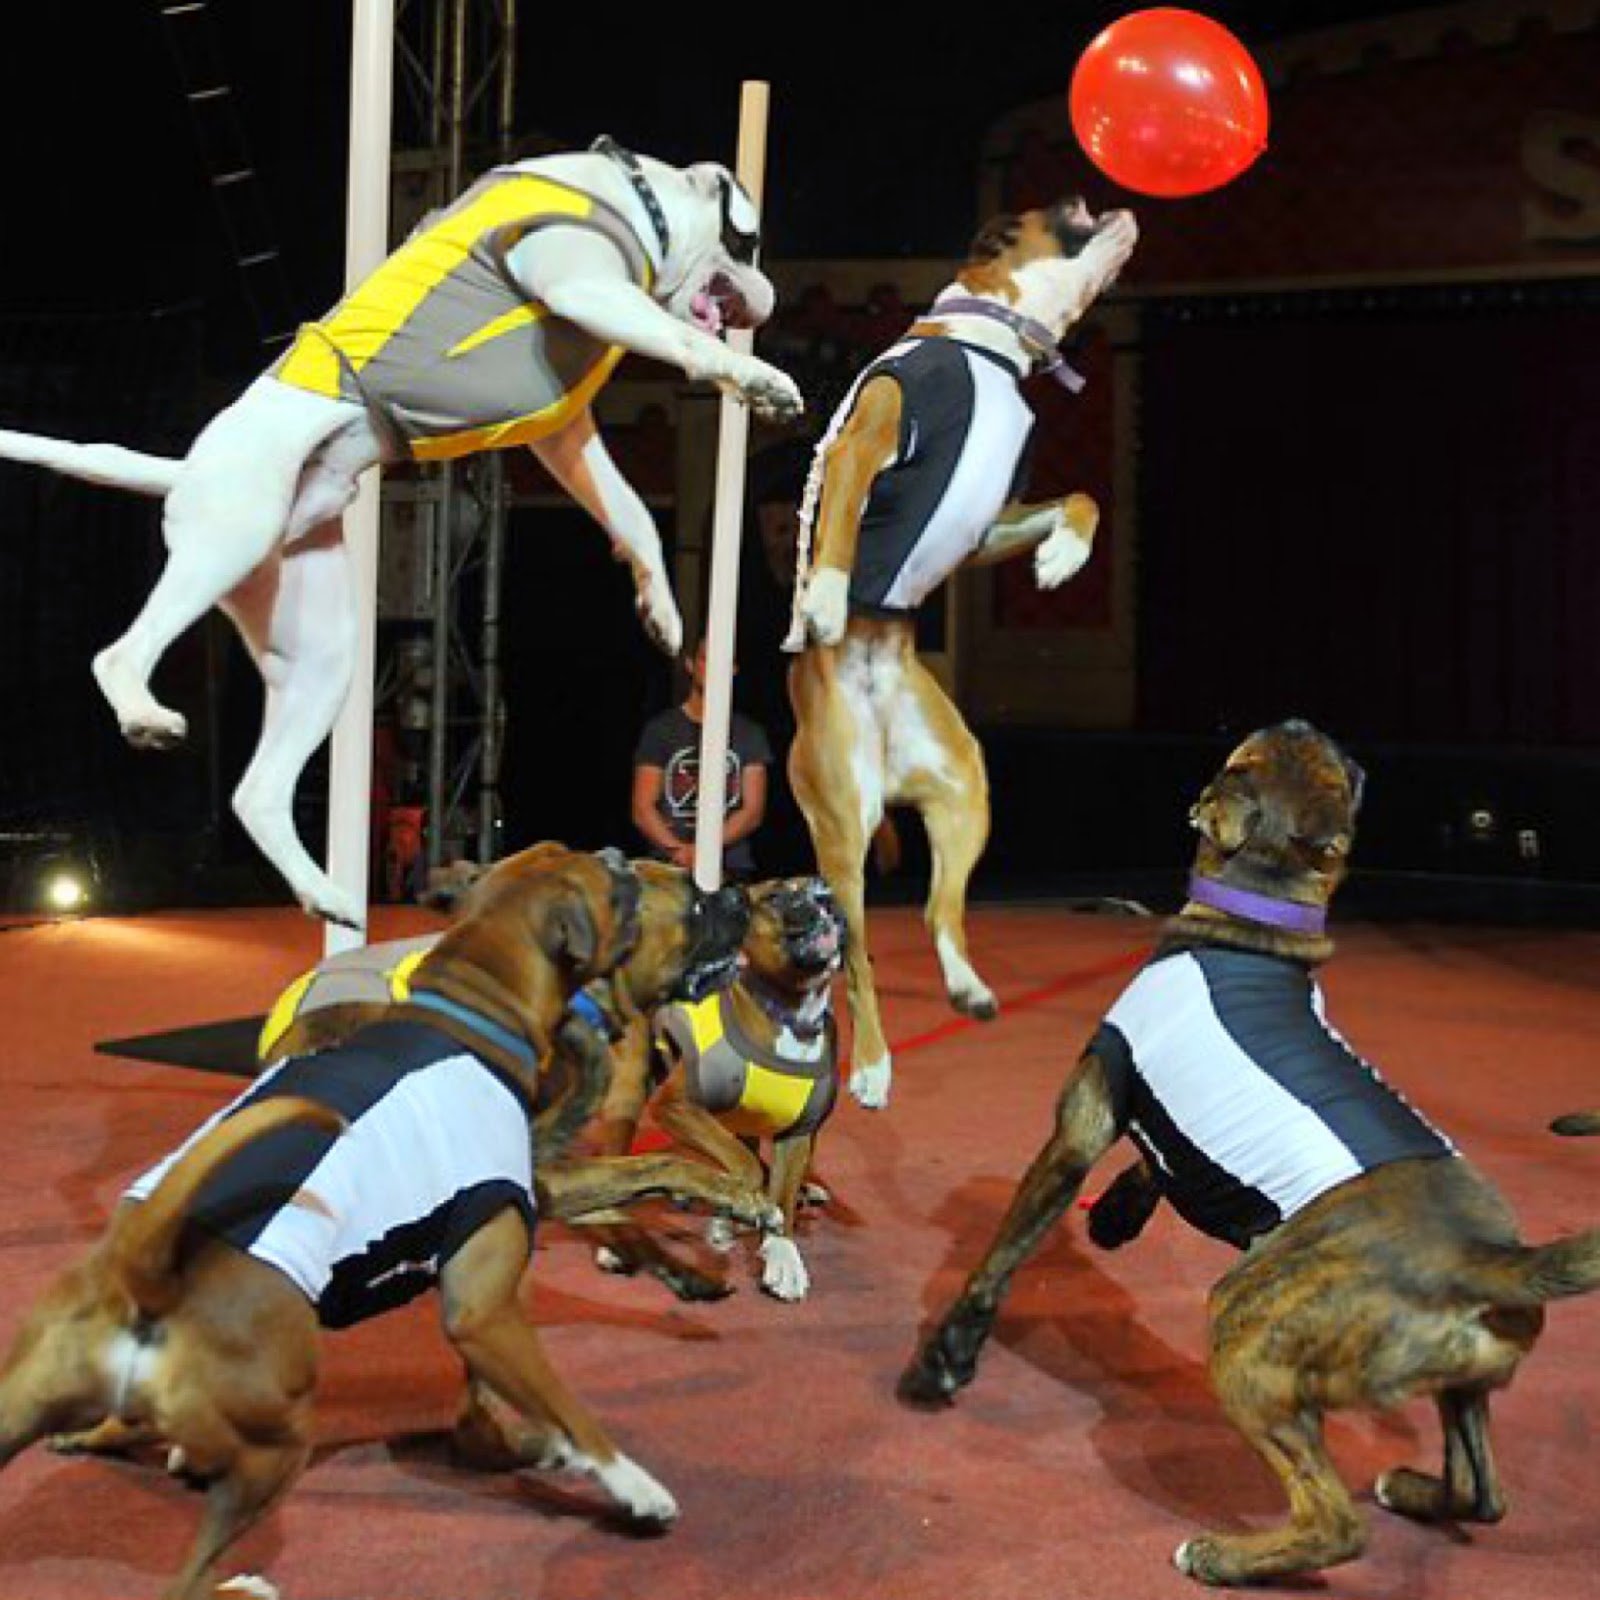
(366, 245)
(733, 436)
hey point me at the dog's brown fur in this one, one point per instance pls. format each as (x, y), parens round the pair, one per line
(1407, 1281)
(164, 1332)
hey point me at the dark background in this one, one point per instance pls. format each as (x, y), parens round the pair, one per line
(878, 119)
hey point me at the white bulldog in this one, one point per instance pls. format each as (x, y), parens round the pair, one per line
(494, 325)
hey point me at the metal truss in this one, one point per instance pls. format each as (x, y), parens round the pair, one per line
(444, 527)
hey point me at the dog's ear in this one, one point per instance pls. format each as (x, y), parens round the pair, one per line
(1226, 815)
(569, 933)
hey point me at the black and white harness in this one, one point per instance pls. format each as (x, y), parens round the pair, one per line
(1244, 1101)
(437, 1144)
(964, 426)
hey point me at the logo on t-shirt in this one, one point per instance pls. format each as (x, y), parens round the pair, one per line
(680, 784)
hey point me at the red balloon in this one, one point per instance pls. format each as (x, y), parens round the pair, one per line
(1169, 103)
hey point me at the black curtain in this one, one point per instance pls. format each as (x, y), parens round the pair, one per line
(1378, 510)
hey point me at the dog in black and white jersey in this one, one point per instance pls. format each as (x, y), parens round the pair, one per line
(1380, 1265)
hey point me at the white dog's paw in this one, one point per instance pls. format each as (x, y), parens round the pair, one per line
(145, 723)
(869, 1083)
(156, 729)
(327, 900)
(251, 1586)
(771, 394)
(783, 1273)
(825, 605)
(658, 611)
(640, 1495)
(1060, 557)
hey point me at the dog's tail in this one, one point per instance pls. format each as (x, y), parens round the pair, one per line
(144, 1253)
(1577, 1123)
(1529, 1275)
(109, 464)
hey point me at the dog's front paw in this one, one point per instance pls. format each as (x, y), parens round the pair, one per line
(1120, 1214)
(773, 395)
(825, 605)
(1062, 556)
(869, 1083)
(1066, 550)
(641, 1496)
(658, 611)
(783, 1273)
(325, 899)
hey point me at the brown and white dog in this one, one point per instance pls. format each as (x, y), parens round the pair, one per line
(744, 1077)
(1377, 1265)
(914, 478)
(495, 324)
(194, 1321)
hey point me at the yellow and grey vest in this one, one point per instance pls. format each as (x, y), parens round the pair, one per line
(750, 1090)
(371, 974)
(443, 347)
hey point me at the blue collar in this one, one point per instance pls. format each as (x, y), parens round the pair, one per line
(513, 1044)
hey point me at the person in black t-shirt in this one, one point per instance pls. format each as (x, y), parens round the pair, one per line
(666, 780)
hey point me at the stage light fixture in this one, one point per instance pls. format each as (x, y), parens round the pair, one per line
(66, 891)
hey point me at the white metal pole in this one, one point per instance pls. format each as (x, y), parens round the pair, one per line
(726, 529)
(366, 244)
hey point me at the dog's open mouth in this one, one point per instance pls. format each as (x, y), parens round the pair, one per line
(720, 305)
(816, 943)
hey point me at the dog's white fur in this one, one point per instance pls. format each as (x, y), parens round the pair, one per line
(252, 512)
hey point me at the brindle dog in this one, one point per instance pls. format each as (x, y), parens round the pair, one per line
(1406, 1280)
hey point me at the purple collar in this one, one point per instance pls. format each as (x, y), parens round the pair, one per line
(1290, 915)
(1033, 333)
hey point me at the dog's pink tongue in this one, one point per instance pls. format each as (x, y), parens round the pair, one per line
(707, 312)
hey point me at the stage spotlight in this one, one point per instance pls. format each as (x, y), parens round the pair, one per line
(66, 891)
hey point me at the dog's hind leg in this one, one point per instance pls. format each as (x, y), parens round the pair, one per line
(502, 1350)
(937, 765)
(227, 511)
(842, 813)
(1470, 1489)
(1269, 1337)
(256, 1478)
(297, 615)
(1324, 1526)
(51, 1380)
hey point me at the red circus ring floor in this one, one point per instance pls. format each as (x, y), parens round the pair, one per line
(1089, 1446)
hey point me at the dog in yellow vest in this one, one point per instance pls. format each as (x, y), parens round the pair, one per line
(749, 1069)
(495, 324)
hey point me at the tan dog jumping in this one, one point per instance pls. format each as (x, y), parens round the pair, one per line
(916, 476)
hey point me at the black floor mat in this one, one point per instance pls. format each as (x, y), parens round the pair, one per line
(227, 1047)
